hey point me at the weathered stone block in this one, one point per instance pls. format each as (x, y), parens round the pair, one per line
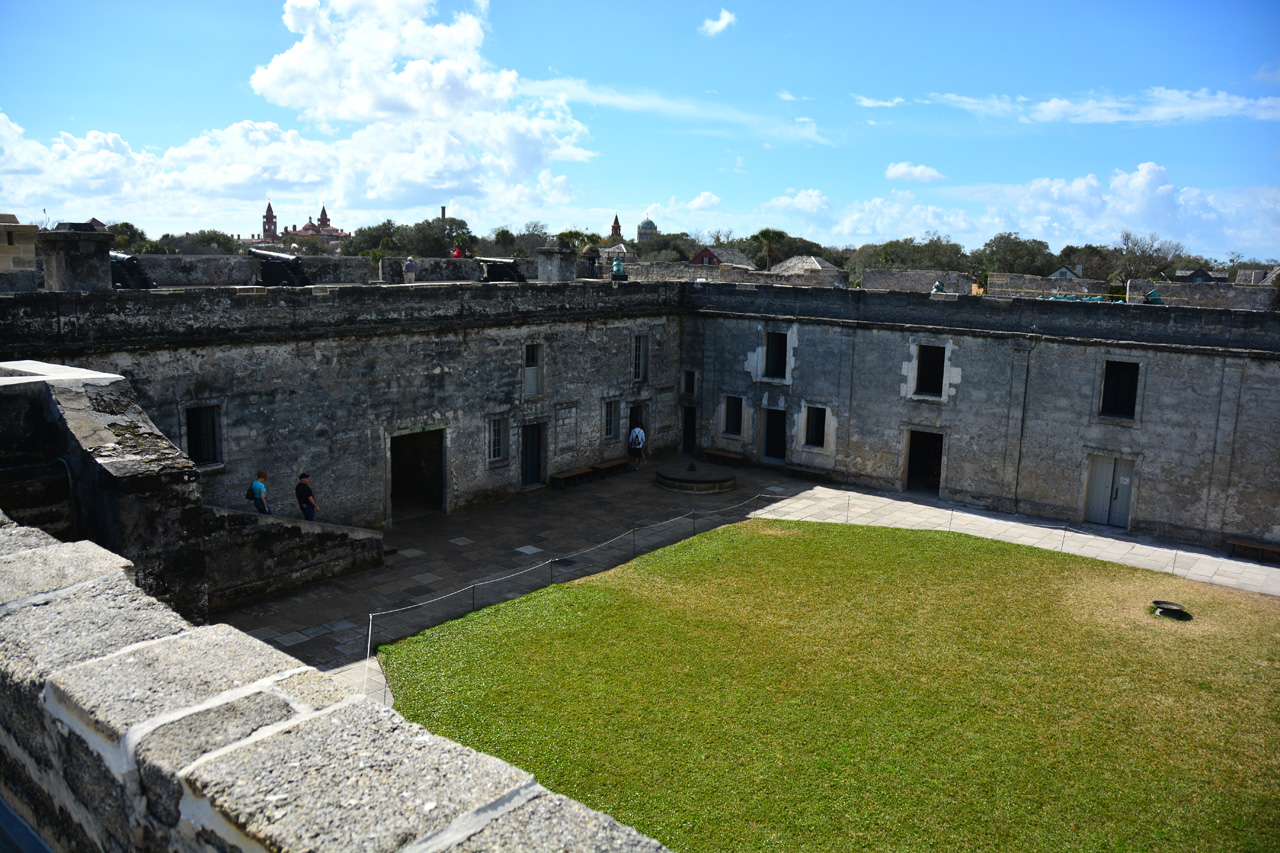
(109, 694)
(50, 564)
(359, 777)
(553, 822)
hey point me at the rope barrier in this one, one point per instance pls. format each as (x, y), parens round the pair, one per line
(471, 587)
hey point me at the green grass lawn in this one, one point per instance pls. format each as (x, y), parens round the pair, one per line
(799, 686)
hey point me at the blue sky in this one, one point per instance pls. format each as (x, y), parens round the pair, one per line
(846, 123)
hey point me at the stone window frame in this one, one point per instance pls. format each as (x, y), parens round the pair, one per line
(611, 405)
(724, 418)
(503, 423)
(809, 411)
(1100, 372)
(539, 369)
(765, 337)
(219, 431)
(641, 346)
(689, 383)
(913, 366)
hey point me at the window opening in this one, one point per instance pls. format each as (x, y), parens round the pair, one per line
(497, 439)
(532, 369)
(640, 359)
(815, 426)
(1119, 389)
(775, 355)
(202, 435)
(733, 415)
(611, 409)
(930, 361)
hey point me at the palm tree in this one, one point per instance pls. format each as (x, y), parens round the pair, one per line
(769, 238)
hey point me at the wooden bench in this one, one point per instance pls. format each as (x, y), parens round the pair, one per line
(734, 459)
(1263, 548)
(614, 466)
(564, 476)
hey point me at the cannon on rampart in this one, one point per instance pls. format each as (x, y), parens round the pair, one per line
(276, 269)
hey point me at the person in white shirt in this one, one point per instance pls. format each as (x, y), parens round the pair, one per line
(636, 443)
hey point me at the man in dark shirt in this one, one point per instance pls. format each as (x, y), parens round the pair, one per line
(306, 498)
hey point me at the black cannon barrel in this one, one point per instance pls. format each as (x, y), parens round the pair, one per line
(276, 269)
(272, 256)
(127, 273)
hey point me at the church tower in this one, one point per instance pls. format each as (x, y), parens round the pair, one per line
(269, 233)
(323, 221)
(616, 233)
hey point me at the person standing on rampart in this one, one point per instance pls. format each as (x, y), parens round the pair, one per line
(410, 270)
(259, 488)
(306, 497)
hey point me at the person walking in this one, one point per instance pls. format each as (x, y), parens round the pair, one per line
(306, 497)
(259, 490)
(637, 444)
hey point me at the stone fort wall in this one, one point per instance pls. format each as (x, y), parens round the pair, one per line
(125, 727)
(323, 379)
(327, 378)
(1019, 412)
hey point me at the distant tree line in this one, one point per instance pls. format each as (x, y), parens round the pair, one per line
(1131, 255)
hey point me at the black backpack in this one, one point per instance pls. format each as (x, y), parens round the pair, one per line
(248, 494)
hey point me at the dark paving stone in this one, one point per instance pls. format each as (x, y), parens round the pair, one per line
(327, 622)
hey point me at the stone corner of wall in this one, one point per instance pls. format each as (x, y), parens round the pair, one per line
(120, 721)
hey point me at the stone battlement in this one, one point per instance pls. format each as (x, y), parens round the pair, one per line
(124, 727)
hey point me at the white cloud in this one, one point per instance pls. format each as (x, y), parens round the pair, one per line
(905, 171)
(716, 27)
(1268, 73)
(705, 201)
(786, 96)
(1158, 104)
(359, 63)
(996, 106)
(555, 188)
(810, 204)
(868, 102)
(423, 117)
(567, 90)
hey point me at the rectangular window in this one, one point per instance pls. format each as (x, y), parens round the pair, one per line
(775, 355)
(640, 359)
(532, 370)
(930, 363)
(815, 426)
(733, 415)
(611, 411)
(203, 426)
(690, 382)
(1119, 389)
(497, 439)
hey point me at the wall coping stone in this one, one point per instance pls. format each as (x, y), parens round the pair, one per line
(125, 726)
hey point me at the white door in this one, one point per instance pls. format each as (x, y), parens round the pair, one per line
(1097, 496)
(1121, 491)
(1108, 491)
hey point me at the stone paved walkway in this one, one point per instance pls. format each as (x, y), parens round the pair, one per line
(506, 550)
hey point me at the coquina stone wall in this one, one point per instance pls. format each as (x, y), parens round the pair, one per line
(730, 273)
(916, 281)
(329, 379)
(1019, 413)
(252, 556)
(124, 727)
(1202, 295)
(323, 379)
